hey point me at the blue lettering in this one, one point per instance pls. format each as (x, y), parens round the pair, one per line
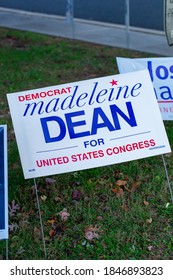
(54, 103)
(171, 70)
(135, 87)
(166, 95)
(162, 72)
(71, 124)
(129, 119)
(81, 97)
(92, 94)
(125, 92)
(69, 98)
(100, 120)
(61, 129)
(150, 69)
(100, 94)
(33, 107)
(98, 112)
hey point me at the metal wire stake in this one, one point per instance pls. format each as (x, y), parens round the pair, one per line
(40, 217)
(167, 176)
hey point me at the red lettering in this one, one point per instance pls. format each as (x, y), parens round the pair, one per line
(63, 90)
(56, 91)
(130, 147)
(28, 97)
(43, 94)
(21, 98)
(68, 89)
(50, 92)
(34, 96)
(87, 156)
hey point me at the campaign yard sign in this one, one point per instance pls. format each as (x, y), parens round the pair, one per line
(161, 74)
(87, 124)
(3, 184)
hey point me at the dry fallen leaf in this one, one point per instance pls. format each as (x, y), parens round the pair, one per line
(119, 192)
(121, 183)
(37, 234)
(125, 207)
(76, 195)
(43, 197)
(64, 215)
(146, 203)
(51, 222)
(150, 248)
(135, 185)
(13, 208)
(149, 221)
(52, 233)
(92, 232)
(58, 199)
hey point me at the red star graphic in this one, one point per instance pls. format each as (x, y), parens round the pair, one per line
(114, 83)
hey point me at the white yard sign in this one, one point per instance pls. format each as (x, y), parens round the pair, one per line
(87, 124)
(161, 74)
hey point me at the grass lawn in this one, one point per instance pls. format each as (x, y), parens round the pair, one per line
(120, 211)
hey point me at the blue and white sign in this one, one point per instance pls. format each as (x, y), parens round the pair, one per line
(161, 74)
(3, 184)
(87, 124)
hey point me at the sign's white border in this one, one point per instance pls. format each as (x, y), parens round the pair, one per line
(4, 232)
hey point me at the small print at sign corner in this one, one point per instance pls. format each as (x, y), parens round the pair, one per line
(87, 124)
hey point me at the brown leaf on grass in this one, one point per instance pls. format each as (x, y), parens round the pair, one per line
(64, 215)
(149, 221)
(76, 195)
(135, 185)
(43, 197)
(37, 234)
(119, 192)
(125, 207)
(52, 233)
(92, 232)
(56, 228)
(146, 203)
(13, 227)
(13, 208)
(58, 199)
(121, 183)
(51, 222)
